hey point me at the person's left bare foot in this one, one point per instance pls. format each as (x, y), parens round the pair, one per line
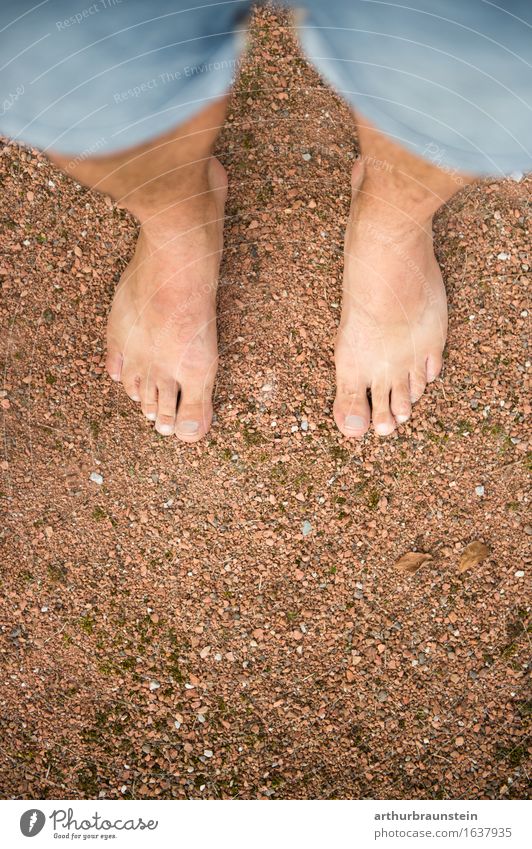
(394, 318)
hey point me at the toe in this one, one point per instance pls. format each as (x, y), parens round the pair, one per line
(400, 403)
(149, 399)
(383, 421)
(417, 381)
(194, 414)
(166, 406)
(131, 382)
(351, 410)
(434, 366)
(193, 421)
(113, 364)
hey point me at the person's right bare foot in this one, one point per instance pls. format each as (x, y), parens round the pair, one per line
(161, 334)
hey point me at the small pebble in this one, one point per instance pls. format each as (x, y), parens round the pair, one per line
(154, 685)
(306, 528)
(479, 490)
(519, 574)
(208, 753)
(95, 477)
(307, 157)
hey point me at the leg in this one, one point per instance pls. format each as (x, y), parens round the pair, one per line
(394, 316)
(422, 73)
(162, 328)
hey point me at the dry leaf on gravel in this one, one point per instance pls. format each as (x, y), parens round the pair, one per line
(472, 555)
(412, 561)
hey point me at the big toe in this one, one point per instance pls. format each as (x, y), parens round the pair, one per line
(351, 410)
(194, 414)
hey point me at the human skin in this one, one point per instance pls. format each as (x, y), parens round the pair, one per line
(394, 315)
(161, 335)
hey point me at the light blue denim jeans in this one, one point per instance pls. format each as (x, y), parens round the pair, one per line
(450, 80)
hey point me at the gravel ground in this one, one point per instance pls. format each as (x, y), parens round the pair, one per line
(230, 619)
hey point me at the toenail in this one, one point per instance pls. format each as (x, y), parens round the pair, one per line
(151, 416)
(383, 429)
(165, 429)
(354, 422)
(402, 419)
(188, 427)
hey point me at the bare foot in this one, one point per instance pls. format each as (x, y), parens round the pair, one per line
(161, 334)
(394, 318)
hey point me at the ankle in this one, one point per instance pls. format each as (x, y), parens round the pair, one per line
(181, 215)
(397, 202)
(382, 221)
(179, 195)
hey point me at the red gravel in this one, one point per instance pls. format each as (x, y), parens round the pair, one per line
(178, 610)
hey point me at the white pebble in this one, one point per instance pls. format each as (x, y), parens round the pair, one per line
(519, 574)
(208, 753)
(479, 490)
(95, 477)
(154, 685)
(307, 156)
(503, 255)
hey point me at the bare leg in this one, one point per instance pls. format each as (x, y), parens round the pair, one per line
(394, 316)
(161, 334)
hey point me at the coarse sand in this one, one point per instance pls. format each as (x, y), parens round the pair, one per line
(230, 619)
